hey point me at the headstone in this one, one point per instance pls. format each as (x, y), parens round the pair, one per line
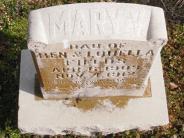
(91, 50)
(94, 59)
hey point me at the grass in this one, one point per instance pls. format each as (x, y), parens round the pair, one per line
(13, 36)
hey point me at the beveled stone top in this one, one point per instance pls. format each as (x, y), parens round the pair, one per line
(91, 21)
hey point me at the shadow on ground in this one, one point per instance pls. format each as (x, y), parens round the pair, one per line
(9, 78)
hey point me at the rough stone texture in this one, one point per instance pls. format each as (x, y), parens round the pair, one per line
(139, 28)
(52, 117)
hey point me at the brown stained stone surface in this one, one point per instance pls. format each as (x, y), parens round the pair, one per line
(129, 81)
(90, 103)
(106, 84)
(127, 84)
(51, 67)
(147, 92)
(54, 75)
(130, 59)
(87, 104)
(143, 65)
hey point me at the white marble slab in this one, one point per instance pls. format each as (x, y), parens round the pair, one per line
(54, 117)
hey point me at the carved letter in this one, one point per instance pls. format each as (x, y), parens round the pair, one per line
(80, 26)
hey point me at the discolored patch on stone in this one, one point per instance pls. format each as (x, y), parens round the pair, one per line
(50, 71)
(148, 92)
(106, 83)
(87, 104)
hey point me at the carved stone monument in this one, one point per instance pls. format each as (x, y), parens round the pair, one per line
(93, 68)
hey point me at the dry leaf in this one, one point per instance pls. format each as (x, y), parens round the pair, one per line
(173, 85)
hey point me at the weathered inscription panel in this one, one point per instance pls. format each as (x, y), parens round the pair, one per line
(103, 65)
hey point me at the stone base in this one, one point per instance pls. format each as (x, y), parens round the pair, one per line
(52, 117)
